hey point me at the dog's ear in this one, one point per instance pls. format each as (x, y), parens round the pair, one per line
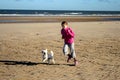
(46, 50)
(42, 51)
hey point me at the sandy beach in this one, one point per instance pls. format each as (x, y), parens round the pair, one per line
(97, 47)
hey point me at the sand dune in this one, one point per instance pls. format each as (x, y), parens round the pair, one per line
(97, 47)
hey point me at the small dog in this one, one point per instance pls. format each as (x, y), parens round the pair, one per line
(48, 56)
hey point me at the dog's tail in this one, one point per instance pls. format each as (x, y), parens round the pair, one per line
(52, 54)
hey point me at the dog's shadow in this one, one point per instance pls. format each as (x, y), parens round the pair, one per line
(27, 63)
(10, 62)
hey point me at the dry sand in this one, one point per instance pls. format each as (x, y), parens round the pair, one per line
(97, 47)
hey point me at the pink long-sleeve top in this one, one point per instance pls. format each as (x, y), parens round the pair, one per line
(68, 35)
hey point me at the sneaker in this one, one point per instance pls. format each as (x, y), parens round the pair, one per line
(75, 62)
(69, 57)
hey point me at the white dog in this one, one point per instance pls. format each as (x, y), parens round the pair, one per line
(48, 56)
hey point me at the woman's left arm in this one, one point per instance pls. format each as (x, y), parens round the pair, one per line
(71, 33)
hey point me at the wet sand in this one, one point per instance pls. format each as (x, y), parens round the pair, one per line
(97, 47)
(38, 19)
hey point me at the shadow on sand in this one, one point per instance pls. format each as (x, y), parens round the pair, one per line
(28, 63)
(9, 62)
